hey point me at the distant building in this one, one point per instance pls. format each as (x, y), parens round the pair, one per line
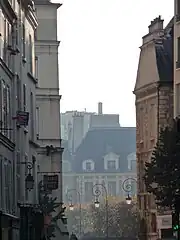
(106, 155)
(75, 124)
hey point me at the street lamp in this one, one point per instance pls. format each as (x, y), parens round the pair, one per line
(96, 204)
(71, 206)
(127, 187)
(96, 194)
(29, 180)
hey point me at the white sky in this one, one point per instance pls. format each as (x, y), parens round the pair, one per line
(99, 51)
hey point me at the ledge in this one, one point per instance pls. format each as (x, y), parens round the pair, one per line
(34, 144)
(7, 142)
(7, 8)
(6, 69)
(32, 77)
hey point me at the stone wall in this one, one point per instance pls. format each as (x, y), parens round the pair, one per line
(165, 113)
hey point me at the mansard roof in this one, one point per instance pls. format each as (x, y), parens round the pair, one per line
(164, 54)
(156, 59)
(98, 142)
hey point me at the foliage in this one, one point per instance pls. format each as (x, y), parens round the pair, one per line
(74, 218)
(49, 207)
(122, 220)
(162, 174)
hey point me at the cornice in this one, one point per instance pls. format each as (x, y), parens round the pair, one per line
(8, 10)
(7, 142)
(6, 69)
(30, 15)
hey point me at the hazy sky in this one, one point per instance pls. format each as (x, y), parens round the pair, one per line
(99, 51)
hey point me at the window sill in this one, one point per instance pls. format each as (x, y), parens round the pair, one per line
(25, 130)
(6, 68)
(33, 143)
(30, 75)
(24, 60)
(6, 141)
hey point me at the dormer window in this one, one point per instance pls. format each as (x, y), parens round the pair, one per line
(88, 165)
(111, 161)
(132, 161)
(111, 164)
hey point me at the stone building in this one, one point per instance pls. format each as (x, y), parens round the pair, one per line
(177, 58)
(48, 99)
(17, 109)
(105, 156)
(154, 105)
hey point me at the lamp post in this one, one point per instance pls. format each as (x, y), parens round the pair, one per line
(127, 187)
(71, 206)
(97, 193)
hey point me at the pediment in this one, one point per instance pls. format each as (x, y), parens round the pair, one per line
(147, 72)
(111, 155)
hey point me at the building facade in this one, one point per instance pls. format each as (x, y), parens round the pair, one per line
(105, 156)
(17, 110)
(154, 106)
(48, 98)
(176, 58)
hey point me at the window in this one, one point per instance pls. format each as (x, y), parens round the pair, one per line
(16, 33)
(18, 94)
(24, 97)
(18, 181)
(178, 49)
(30, 54)
(8, 184)
(37, 122)
(132, 161)
(23, 41)
(36, 67)
(111, 164)
(5, 115)
(7, 42)
(32, 115)
(88, 166)
(112, 188)
(88, 186)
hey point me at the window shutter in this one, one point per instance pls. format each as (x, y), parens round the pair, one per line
(5, 125)
(1, 104)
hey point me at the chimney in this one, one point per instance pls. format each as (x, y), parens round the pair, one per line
(156, 30)
(100, 106)
(156, 25)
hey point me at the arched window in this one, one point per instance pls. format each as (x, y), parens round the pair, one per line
(132, 161)
(88, 165)
(111, 161)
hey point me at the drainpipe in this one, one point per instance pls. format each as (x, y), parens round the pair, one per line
(158, 103)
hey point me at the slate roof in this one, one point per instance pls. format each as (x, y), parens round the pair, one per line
(164, 54)
(100, 141)
(66, 152)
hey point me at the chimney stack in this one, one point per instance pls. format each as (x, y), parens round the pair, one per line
(100, 106)
(156, 31)
(156, 25)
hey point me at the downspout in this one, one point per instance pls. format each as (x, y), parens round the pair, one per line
(158, 115)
